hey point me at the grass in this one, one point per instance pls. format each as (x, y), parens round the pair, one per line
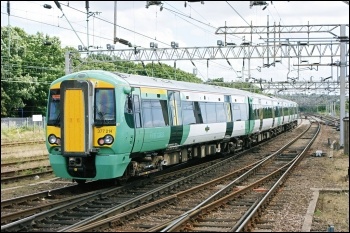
(318, 212)
(22, 134)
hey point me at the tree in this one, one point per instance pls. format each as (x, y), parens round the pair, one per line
(30, 64)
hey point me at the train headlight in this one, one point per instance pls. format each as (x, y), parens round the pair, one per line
(54, 140)
(107, 139)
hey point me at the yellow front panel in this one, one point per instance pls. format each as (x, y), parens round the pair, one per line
(53, 130)
(74, 121)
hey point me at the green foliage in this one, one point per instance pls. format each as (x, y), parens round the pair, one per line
(317, 212)
(31, 62)
(28, 67)
(113, 64)
(238, 85)
(216, 80)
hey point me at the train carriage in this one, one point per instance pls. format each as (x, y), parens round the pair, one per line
(103, 125)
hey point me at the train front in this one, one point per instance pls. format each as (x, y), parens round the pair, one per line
(82, 122)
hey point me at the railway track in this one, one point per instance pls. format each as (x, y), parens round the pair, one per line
(328, 120)
(144, 194)
(20, 143)
(21, 207)
(244, 205)
(231, 205)
(25, 160)
(21, 174)
(14, 169)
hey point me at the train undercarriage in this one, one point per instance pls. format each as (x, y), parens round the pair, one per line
(145, 164)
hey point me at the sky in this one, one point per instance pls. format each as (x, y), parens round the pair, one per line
(190, 25)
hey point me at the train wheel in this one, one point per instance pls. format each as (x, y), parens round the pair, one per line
(248, 144)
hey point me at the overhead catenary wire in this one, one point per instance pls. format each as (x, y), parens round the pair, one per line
(182, 17)
(59, 7)
(103, 20)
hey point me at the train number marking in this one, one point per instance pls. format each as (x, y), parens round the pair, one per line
(105, 131)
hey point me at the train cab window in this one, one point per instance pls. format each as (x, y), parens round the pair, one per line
(54, 108)
(104, 113)
(155, 113)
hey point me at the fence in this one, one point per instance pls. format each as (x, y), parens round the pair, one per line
(18, 122)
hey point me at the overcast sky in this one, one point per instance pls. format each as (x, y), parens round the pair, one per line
(190, 26)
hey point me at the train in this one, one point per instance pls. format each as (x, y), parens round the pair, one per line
(103, 125)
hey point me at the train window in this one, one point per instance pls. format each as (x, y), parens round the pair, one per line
(104, 107)
(239, 112)
(202, 106)
(278, 112)
(137, 111)
(271, 112)
(244, 112)
(236, 111)
(155, 113)
(128, 112)
(198, 113)
(256, 112)
(267, 112)
(211, 112)
(188, 113)
(147, 113)
(54, 108)
(175, 108)
(220, 112)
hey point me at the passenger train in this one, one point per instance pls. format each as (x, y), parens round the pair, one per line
(103, 125)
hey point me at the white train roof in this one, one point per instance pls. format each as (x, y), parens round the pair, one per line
(145, 81)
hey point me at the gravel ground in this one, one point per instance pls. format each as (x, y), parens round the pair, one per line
(312, 173)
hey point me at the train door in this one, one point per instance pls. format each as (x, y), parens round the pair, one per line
(251, 121)
(283, 112)
(261, 115)
(138, 128)
(76, 97)
(273, 107)
(175, 114)
(229, 121)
